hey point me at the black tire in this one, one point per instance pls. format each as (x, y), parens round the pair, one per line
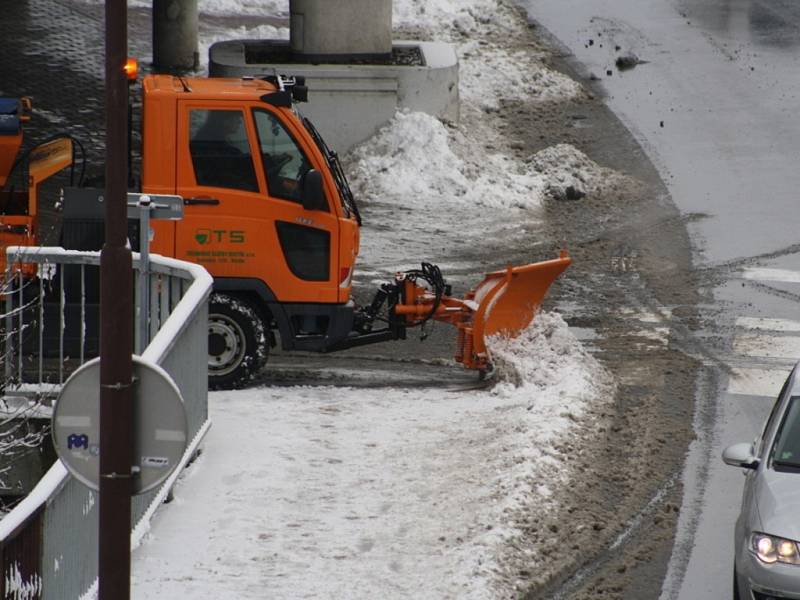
(238, 345)
(736, 595)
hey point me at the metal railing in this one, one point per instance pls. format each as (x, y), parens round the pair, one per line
(48, 542)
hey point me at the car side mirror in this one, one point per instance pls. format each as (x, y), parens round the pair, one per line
(740, 455)
(313, 194)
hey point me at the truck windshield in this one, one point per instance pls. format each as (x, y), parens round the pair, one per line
(285, 165)
(348, 201)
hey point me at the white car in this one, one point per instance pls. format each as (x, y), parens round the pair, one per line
(767, 554)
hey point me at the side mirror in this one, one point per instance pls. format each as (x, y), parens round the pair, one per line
(313, 194)
(740, 455)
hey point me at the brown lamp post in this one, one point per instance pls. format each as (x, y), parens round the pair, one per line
(116, 325)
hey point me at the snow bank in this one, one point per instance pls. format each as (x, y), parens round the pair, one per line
(565, 166)
(413, 162)
(381, 492)
(416, 161)
(489, 75)
(554, 385)
(254, 8)
(443, 16)
(487, 72)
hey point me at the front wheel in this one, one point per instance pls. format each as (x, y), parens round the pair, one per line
(237, 342)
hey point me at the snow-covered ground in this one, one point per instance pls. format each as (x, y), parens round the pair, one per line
(388, 490)
(384, 492)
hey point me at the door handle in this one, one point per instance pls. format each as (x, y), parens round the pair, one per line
(201, 201)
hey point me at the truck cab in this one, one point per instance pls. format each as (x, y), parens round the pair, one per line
(267, 212)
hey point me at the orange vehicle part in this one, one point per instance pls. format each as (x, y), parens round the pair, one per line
(268, 212)
(11, 141)
(19, 208)
(240, 233)
(504, 303)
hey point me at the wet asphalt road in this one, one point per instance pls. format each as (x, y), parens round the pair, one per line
(714, 104)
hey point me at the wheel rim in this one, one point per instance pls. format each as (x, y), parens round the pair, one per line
(226, 345)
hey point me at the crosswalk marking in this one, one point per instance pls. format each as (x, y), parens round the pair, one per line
(767, 346)
(767, 324)
(644, 316)
(763, 274)
(760, 338)
(756, 382)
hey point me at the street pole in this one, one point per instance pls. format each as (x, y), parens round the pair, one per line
(116, 326)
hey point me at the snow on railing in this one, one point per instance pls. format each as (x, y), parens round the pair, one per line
(48, 542)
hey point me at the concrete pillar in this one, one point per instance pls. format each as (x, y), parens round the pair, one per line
(175, 35)
(341, 30)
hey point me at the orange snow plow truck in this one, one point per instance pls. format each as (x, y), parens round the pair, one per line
(268, 212)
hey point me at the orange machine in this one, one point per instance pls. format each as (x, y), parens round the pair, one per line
(19, 208)
(269, 213)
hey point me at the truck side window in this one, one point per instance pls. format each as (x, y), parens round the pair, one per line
(220, 150)
(284, 162)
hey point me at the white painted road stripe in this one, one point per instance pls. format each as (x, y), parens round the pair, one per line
(663, 314)
(757, 382)
(761, 274)
(768, 324)
(767, 346)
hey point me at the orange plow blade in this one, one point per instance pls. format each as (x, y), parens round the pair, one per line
(504, 303)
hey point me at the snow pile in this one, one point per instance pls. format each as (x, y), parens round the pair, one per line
(413, 162)
(558, 385)
(549, 366)
(490, 74)
(377, 492)
(564, 166)
(487, 72)
(445, 16)
(254, 8)
(416, 161)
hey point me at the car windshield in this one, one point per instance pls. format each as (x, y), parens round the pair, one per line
(786, 451)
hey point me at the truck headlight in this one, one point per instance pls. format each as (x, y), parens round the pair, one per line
(771, 549)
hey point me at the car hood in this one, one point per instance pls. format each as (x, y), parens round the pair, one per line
(778, 501)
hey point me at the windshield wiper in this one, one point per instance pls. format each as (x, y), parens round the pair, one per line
(336, 170)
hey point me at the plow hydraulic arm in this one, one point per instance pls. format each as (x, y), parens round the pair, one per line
(503, 303)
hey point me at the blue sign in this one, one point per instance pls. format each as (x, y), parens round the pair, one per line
(75, 440)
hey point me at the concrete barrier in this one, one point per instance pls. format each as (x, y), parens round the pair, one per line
(349, 102)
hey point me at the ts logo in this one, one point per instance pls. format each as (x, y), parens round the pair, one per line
(207, 236)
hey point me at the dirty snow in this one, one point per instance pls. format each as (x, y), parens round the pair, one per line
(489, 75)
(417, 161)
(564, 166)
(387, 492)
(452, 17)
(253, 8)
(411, 162)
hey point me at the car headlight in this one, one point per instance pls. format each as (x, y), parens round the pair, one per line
(770, 549)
